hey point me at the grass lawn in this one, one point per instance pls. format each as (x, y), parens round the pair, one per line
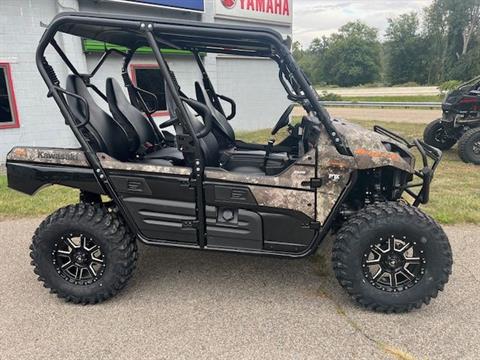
(17, 205)
(455, 196)
(408, 98)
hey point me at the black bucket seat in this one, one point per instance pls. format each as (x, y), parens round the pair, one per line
(209, 144)
(102, 132)
(146, 144)
(236, 152)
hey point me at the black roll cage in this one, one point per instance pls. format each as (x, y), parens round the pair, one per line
(298, 89)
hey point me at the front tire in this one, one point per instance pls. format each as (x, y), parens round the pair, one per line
(436, 135)
(83, 253)
(391, 257)
(469, 146)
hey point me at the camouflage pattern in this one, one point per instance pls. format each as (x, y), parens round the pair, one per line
(110, 163)
(297, 200)
(284, 191)
(368, 147)
(287, 190)
(72, 157)
(292, 177)
(335, 171)
(76, 157)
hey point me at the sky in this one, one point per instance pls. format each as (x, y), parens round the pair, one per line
(314, 18)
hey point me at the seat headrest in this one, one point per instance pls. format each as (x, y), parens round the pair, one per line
(75, 84)
(102, 131)
(137, 126)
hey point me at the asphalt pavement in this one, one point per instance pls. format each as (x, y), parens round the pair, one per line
(196, 305)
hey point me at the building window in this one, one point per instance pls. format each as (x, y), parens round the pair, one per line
(8, 107)
(149, 78)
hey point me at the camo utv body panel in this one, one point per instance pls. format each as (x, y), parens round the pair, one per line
(368, 148)
(72, 157)
(290, 190)
(336, 170)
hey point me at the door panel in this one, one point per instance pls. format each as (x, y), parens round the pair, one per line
(236, 220)
(234, 228)
(162, 206)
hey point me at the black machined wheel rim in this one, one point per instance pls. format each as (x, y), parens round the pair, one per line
(476, 148)
(394, 263)
(441, 136)
(78, 258)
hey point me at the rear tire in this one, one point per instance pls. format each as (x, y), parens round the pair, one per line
(83, 253)
(435, 135)
(391, 257)
(469, 146)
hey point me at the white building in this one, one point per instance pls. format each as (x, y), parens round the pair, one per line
(27, 117)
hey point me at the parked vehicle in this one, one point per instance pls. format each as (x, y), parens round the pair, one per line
(201, 188)
(460, 123)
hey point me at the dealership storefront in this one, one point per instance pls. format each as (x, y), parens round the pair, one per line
(27, 117)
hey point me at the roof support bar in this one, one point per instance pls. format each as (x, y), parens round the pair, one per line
(100, 175)
(199, 163)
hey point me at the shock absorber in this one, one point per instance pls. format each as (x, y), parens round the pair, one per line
(50, 72)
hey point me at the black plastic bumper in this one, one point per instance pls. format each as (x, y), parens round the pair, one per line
(431, 158)
(28, 178)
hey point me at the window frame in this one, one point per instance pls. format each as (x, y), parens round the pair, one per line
(11, 98)
(133, 77)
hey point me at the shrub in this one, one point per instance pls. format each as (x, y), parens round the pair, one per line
(328, 96)
(372, 85)
(407, 84)
(449, 86)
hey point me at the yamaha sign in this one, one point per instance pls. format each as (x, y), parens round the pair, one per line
(270, 11)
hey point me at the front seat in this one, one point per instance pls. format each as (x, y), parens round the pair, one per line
(209, 144)
(236, 154)
(130, 117)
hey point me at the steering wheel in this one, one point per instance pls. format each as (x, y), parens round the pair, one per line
(284, 119)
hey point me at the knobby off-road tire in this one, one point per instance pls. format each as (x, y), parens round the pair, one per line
(93, 240)
(434, 135)
(469, 146)
(365, 238)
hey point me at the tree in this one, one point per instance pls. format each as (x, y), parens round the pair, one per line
(352, 56)
(297, 51)
(404, 48)
(452, 31)
(310, 59)
(442, 45)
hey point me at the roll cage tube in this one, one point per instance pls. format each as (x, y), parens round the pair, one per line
(286, 58)
(133, 91)
(136, 99)
(86, 77)
(198, 169)
(145, 32)
(201, 109)
(48, 75)
(309, 99)
(53, 91)
(212, 94)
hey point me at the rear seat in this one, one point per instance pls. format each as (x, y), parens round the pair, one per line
(104, 134)
(128, 115)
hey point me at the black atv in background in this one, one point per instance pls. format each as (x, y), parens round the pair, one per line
(460, 122)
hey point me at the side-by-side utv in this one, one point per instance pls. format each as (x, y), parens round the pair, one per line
(198, 187)
(460, 122)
